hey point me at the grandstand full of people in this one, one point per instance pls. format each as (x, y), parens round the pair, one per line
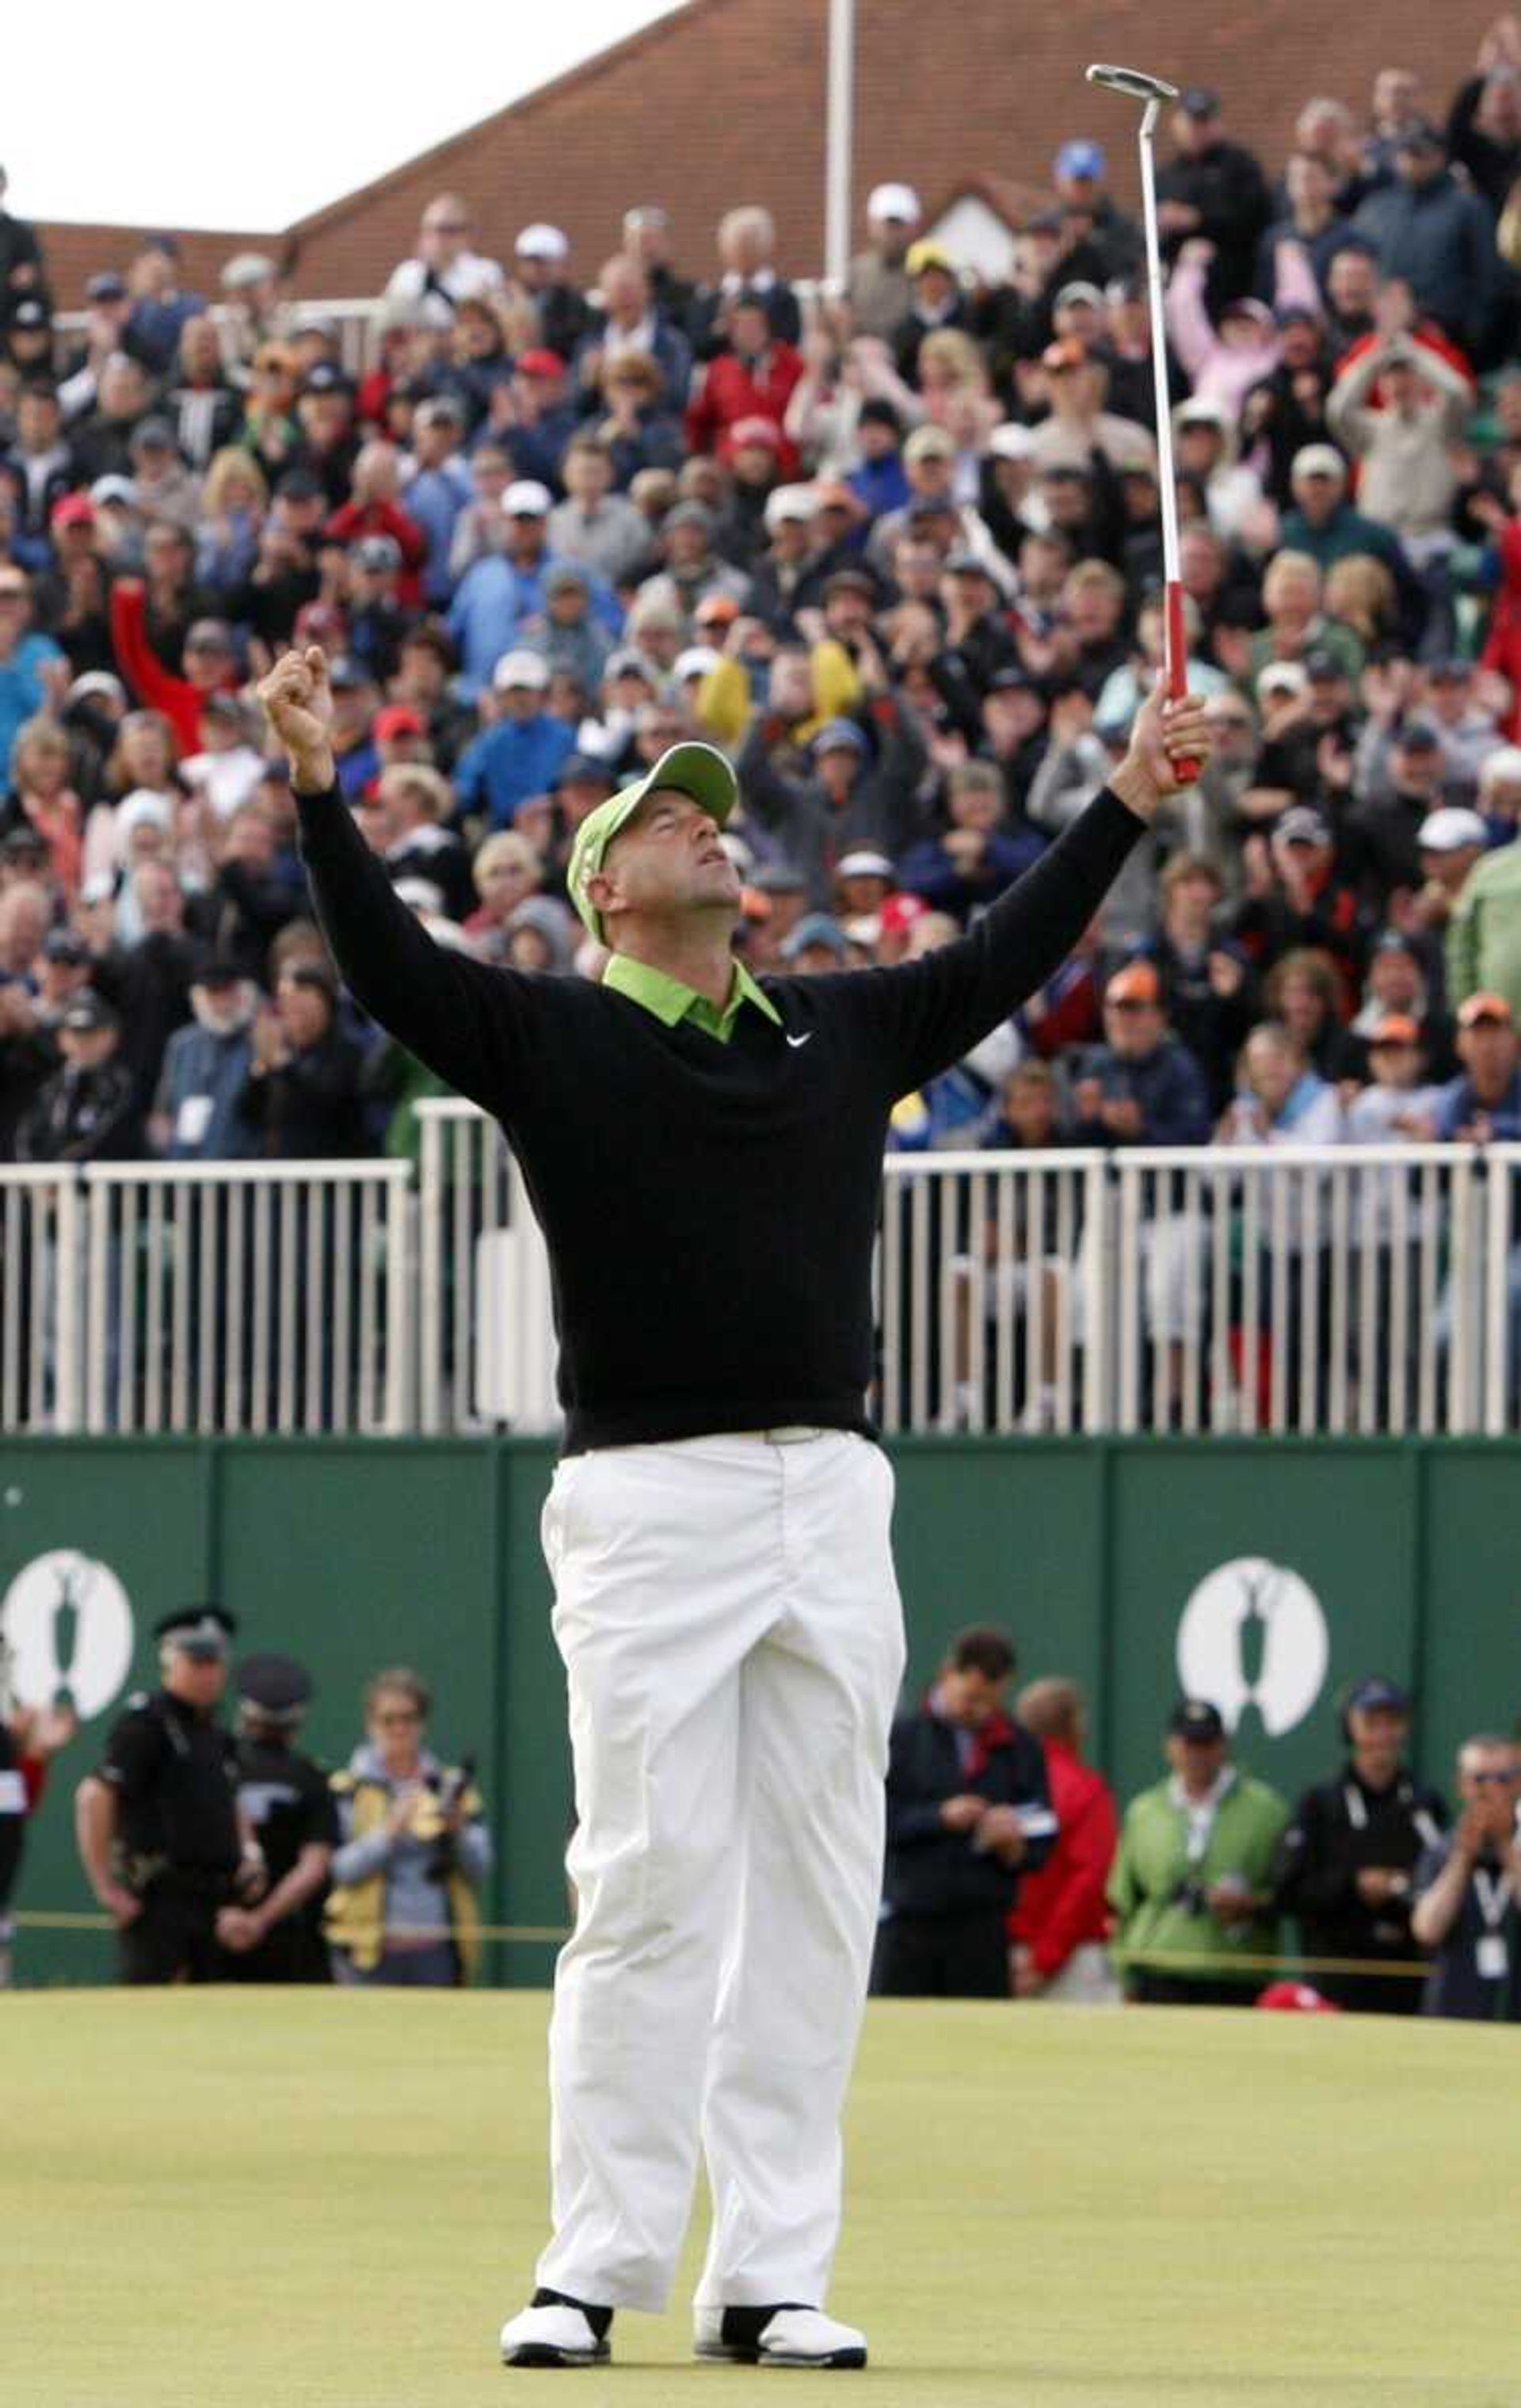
(895, 549)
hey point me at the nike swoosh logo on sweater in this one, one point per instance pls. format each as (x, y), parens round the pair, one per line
(799, 1041)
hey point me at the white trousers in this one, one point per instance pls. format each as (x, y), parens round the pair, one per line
(732, 1640)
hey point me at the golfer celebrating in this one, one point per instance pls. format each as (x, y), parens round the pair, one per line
(704, 1153)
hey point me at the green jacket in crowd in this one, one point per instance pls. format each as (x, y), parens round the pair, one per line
(1152, 1869)
(1483, 935)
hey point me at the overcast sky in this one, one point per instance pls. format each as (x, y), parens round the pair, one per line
(158, 112)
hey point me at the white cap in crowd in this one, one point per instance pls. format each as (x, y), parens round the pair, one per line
(521, 668)
(1500, 767)
(786, 503)
(247, 268)
(527, 498)
(894, 205)
(143, 807)
(542, 242)
(695, 661)
(1318, 460)
(1283, 677)
(1449, 829)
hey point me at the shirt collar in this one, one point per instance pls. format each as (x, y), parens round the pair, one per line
(670, 1000)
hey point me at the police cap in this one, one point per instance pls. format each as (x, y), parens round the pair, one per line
(199, 1629)
(276, 1686)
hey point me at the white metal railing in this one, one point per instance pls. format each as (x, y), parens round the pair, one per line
(1337, 1290)
(1329, 1289)
(989, 1285)
(1345, 1290)
(41, 1345)
(257, 1296)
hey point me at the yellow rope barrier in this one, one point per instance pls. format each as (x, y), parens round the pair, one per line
(538, 1935)
(516, 1934)
(1181, 1960)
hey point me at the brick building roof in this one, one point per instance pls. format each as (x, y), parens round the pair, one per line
(724, 101)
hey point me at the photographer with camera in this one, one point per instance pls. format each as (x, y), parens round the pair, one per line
(1192, 1883)
(414, 1851)
(1467, 1889)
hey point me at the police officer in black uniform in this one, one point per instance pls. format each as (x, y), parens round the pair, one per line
(1346, 1862)
(289, 1807)
(160, 1830)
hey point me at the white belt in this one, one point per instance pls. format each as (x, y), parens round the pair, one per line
(791, 1433)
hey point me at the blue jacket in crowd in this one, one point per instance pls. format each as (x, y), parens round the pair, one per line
(1459, 1105)
(510, 761)
(1441, 240)
(434, 500)
(494, 604)
(1166, 1083)
(198, 1088)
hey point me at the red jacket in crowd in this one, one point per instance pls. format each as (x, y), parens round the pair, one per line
(357, 519)
(732, 388)
(1062, 1906)
(1502, 648)
(157, 688)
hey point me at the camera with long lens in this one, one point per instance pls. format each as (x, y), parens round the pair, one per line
(449, 1794)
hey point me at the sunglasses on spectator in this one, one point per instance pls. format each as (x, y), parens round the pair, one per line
(1228, 719)
(1495, 1780)
(399, 1714)
(447, 225)
(1128, 1003)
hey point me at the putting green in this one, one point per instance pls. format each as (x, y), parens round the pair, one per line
(318, 2200)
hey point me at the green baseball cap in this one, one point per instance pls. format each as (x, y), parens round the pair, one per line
(700, 771)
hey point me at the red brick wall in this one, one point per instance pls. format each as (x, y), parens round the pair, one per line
(725, 102)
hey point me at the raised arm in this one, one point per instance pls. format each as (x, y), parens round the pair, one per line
(466, 1021)
(930, 1012)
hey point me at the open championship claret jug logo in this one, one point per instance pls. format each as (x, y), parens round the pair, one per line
(66, 1626)
(1253, 1633)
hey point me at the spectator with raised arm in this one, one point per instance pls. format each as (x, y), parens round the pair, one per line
(1467, 1890)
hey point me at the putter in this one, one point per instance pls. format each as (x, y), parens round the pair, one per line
(1153, 92)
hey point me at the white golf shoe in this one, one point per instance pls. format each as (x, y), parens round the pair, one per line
(785, 2335)
(556, 2332)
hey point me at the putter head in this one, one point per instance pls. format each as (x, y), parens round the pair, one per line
(1135, 85)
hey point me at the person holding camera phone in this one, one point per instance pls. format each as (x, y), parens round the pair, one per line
(1192, 1883)
(1467, 1889)
(414, 1851)
(969, 1810)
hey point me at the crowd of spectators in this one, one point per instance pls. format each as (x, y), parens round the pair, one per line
(1011, 1869)
(897, 548)
(226, 1854)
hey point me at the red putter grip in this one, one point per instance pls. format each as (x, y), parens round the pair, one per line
(1177, 671)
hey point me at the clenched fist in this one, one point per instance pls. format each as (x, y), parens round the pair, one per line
(299, 707)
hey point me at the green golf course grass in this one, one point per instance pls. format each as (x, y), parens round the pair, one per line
(319, 2199)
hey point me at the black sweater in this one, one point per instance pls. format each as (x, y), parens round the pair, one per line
(710, 1209)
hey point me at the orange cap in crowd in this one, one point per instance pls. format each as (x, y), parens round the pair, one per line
(1483, 1007)
(1137, 982)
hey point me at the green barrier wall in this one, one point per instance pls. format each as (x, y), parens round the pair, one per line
(353, 1555)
